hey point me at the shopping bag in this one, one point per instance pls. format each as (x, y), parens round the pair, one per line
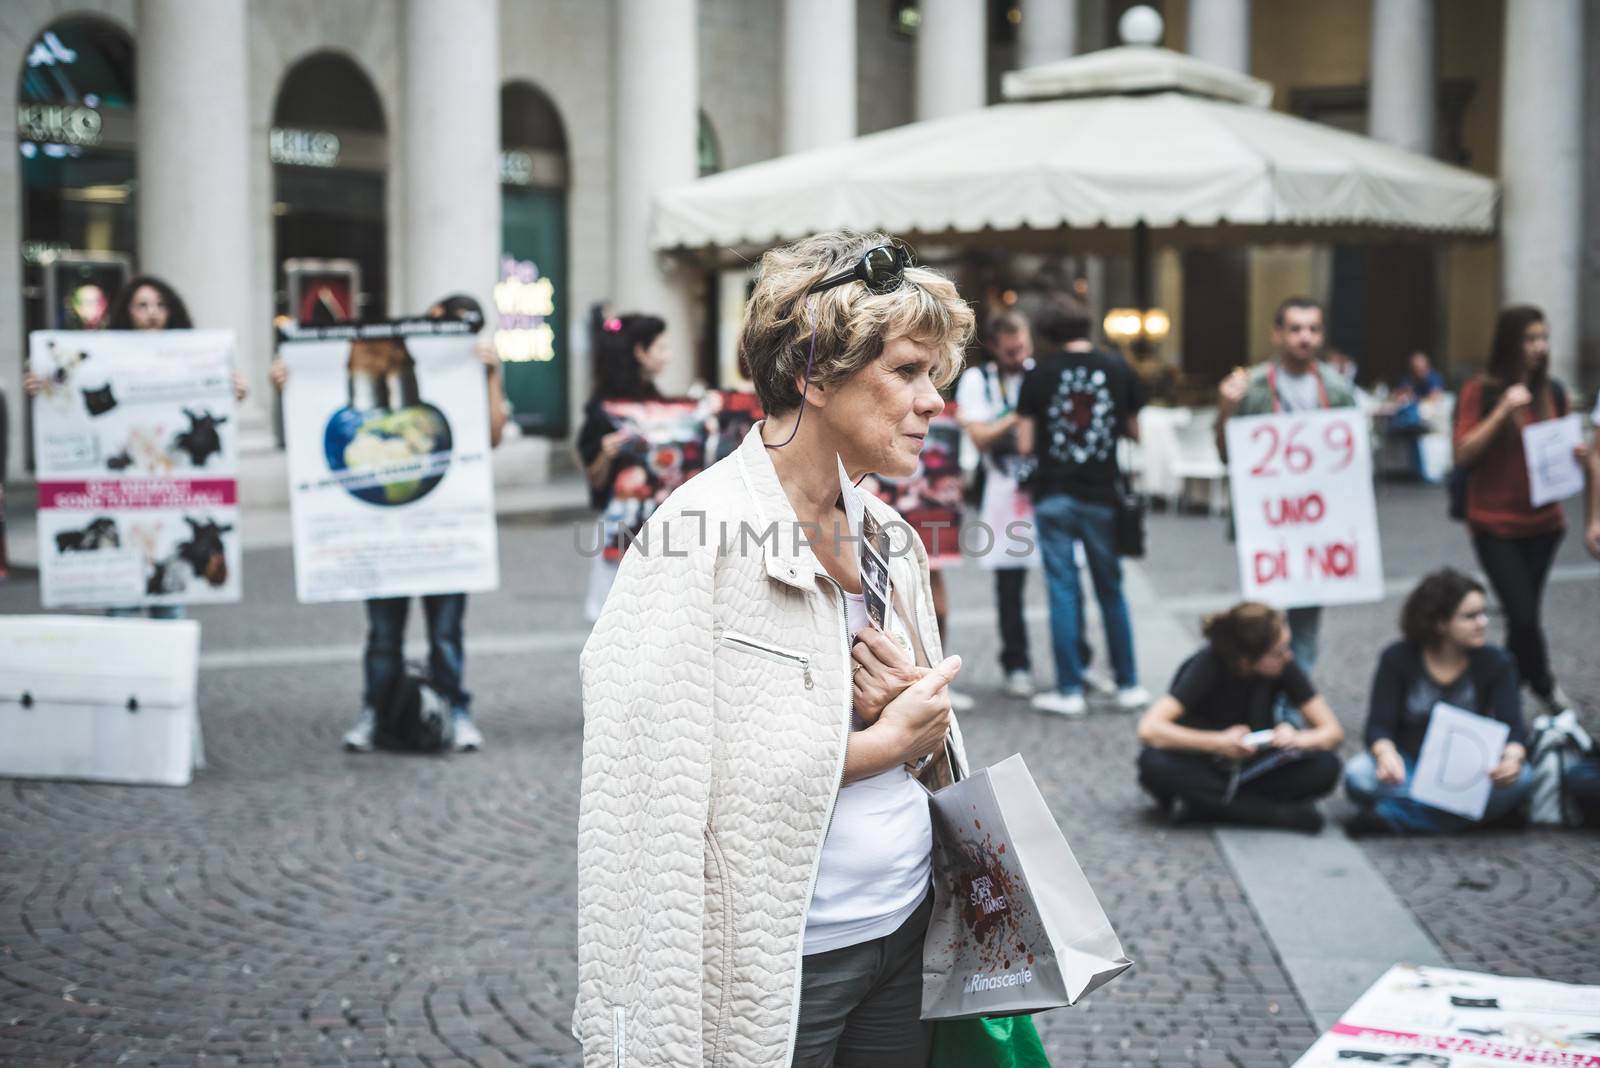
(1007, 1042)
(1015, 926)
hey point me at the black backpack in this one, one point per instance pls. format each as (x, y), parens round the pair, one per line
(416, 718)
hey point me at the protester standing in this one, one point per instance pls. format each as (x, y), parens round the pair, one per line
(1213, 747)
(145, 303)
(1515, 542)
(1444, 657)
(383, 659)
(986, 404)
(736, 903)
(1076, 404)
(1292, 381)
(630, 351)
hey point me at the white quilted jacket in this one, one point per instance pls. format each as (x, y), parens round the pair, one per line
(716, 705)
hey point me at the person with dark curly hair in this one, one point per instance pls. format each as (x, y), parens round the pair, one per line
(1444, 656)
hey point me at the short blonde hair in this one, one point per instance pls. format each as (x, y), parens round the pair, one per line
(852, 324)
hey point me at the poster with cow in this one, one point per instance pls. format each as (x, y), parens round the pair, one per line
(390, 485)
(135, 440)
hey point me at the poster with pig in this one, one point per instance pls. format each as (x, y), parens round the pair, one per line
(135, 439)
(391, 490)
(1303, 508)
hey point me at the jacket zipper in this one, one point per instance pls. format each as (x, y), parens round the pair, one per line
(838, 784)
(769, 651)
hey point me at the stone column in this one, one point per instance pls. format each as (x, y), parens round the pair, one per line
(193, 129)
(1219, 32)
(451, 111)
(656, 126)
(1404, 74)
(1049, 31)
(819, 73)
(1541, 167)
(952, 49)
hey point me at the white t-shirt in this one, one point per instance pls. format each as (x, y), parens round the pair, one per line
(1299, 393)
(1008, 540)
(877, 861)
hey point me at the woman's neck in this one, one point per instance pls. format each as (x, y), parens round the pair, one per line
(807, 467)
(1446, 657)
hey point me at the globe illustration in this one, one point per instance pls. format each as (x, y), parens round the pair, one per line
(416, 436)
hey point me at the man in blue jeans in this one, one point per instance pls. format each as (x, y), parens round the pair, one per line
(1076, 403)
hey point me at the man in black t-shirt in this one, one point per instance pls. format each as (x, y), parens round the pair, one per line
(1077, 403)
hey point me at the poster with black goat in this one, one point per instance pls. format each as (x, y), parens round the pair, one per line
(135, 440)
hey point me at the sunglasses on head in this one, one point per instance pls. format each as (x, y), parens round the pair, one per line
(881, 269)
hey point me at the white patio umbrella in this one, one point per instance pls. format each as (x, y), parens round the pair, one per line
(1094, 145)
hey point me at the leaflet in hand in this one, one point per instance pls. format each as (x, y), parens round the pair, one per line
(1554, 473)
(872, 549)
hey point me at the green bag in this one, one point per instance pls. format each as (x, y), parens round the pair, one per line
(997, 1042)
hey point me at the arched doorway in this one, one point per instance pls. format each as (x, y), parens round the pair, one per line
(329, 154)
(75, 137)
(531, 297)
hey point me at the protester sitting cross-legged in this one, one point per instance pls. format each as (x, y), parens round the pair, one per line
(1444, 657)
(383, 660)
(1212, 748)
(754, 842)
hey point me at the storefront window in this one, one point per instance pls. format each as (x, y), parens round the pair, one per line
(329, 153)
(531, 295)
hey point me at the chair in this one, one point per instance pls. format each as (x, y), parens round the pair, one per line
(1197, 461)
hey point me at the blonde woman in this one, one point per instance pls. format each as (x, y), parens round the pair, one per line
(754, 844)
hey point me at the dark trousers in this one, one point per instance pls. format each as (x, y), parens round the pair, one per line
(861, 1006)
(1517, 569)
(1206, 781)
(384, 661)
(1008, 586)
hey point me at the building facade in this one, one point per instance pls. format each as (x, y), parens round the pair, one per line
(298, 158)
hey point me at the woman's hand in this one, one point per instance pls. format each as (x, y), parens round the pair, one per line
(1514, 399)
(32, 384)
(1230, 745)
(1285, 736)
(612, 444)
(1391, 769)
(1591, 539)
(919, 718)
(483, 349)
(278, 373)
(241, 388)
(1505, 773)
(881, 671)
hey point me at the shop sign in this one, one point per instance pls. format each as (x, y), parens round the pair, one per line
(305, 148)
(65, 124)
(525, 300)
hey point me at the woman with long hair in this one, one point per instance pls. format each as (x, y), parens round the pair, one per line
(629, 352)
(1214, 748)
(1444, 656)
(754, 840)
(1515, 541)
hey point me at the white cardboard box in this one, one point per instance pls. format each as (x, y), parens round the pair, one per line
(104, 699)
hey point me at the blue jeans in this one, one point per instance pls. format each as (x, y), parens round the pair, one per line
(1583, 786)
(1394, 806)
(384, 662)
(1063, 520)
(155, 611)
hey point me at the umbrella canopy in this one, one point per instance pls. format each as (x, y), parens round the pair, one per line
(1108, 140)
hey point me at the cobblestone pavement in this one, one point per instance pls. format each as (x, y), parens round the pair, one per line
(298, 905)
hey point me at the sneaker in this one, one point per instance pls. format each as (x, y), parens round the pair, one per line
(960, 702)
(1099, 684)
(1019, 683)
(1133, 698)
(358, 739)
(1060, 704)
(465, 734)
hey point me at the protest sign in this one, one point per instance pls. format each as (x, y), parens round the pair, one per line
(135, 440)
(390, 485)
(1442, 1018)
(1554, 473)
(1303, 509)
(1458, 752)
(665, 447)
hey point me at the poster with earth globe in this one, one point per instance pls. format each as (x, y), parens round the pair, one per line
(390, 483)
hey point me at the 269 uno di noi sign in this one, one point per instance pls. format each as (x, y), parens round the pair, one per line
(1303, 509)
